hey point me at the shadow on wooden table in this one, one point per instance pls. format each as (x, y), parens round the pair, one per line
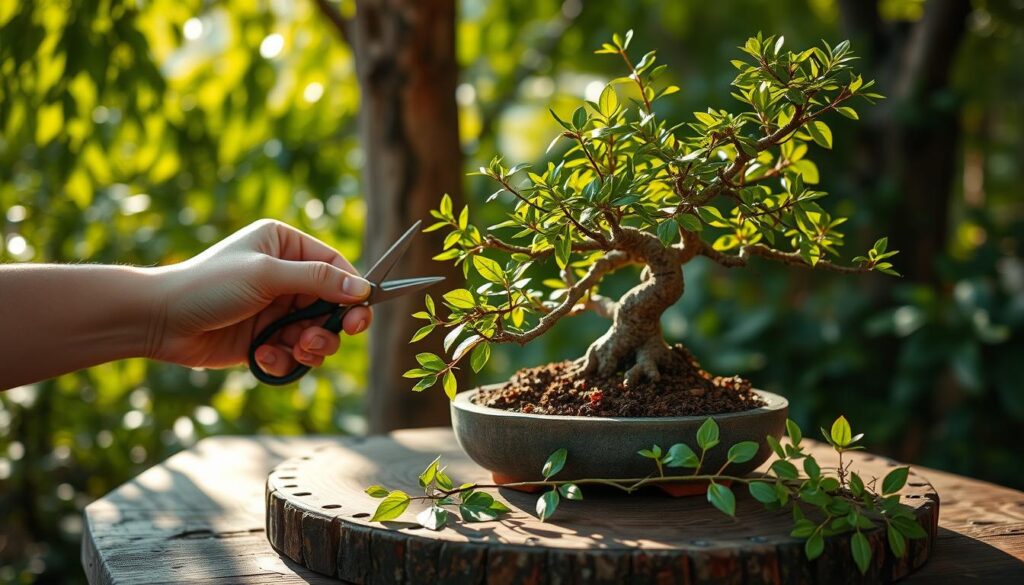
(196, 518)
(958, 558)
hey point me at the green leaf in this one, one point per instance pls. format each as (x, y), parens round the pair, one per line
(499, 507)
(478, 513)
(570, 491)
(775, 445)
(430, 361)
(489, 269)
(897, 543)
(421, 333)
(547, 504)
(802, 528)
(429, 473)
(722, 498)
(895, 480)
(668, 231)
(480, 499)
(481, 353)
(446, 206)
(743, 452)
(707, 434)
(450, 384)
(563, 249)
(848, 112)
(460, 298)
(554, 464)
(814, 546)
(763, 492)
(690, 222)
(841, 433)
(425, 383)
(579, 118)
(812, 468)
(856, 485)
(793, 430)
(433, 518)
(908, 527)
(861, 549)
(377, 491)
(609, 100)
(443, 481)
(820, 133)
(785, 469)
(681, 455)
(391, 507)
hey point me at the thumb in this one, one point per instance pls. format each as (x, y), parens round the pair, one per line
(319, 279)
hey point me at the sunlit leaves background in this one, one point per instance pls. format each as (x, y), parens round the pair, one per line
(140, 132)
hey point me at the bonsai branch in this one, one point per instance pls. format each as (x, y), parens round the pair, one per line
(496, 243)
(790, 258)
(610, 262)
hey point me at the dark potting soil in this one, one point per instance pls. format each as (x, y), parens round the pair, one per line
(684, 389)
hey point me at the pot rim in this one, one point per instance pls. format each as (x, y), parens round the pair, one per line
(463, 402)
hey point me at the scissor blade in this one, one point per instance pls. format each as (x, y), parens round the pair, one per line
(383, 266)
(391, 289)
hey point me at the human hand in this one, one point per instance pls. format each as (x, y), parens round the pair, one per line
(213, 305)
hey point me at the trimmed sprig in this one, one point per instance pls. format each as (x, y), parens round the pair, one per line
(727, 186)
(823, 502)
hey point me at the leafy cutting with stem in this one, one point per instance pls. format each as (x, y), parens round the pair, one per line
(823, 502)
(635, 189)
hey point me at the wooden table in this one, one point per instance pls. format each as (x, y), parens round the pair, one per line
(199, 518)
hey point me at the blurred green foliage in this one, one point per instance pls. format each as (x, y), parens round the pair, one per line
(141, 132)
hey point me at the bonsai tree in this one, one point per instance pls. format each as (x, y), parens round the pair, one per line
(635, 189)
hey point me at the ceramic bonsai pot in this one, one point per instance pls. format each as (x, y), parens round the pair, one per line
(513, 446)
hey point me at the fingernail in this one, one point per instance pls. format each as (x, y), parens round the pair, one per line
(316, 343)
(268, 358)
(305, 356)
(355, 286)
(361, 326)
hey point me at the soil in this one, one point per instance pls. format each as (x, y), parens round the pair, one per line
(684, 389)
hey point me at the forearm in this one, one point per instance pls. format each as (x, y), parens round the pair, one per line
(56, 319)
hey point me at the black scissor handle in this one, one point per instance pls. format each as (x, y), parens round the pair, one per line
(317, 309)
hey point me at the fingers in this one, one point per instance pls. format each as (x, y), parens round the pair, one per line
(315, 278)
(297, 245)
(274, 360)
(316, 341)
(357, 320)
(308, 346)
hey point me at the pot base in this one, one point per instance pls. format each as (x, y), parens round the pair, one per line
(516, 445)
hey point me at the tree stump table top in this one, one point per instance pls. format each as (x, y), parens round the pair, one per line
(199, 518)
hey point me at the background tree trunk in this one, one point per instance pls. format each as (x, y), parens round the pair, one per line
(918, 125)
(409, 129)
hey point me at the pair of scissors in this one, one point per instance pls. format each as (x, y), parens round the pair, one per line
(380, 290)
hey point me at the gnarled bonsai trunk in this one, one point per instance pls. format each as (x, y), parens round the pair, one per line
(635, 342)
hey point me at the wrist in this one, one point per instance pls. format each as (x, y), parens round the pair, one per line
(131, 317)
(152, 310)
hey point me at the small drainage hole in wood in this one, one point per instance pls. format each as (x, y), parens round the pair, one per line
(361, 515)
(331, 506)
(301, 494)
